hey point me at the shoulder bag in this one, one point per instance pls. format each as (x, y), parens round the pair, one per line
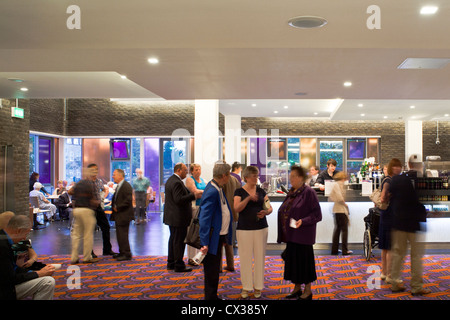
(376, 199)
(193, 233)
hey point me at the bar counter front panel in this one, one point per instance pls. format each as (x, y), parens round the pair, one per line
(437, 229)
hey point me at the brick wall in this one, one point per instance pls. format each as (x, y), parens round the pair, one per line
(47, 116)
(430, 148)
(15, 132)
(97, 117)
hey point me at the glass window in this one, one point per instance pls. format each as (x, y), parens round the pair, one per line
(32, 152)
(72, 160)
(173, 153)
(45, 160)
(331, 149)
(124, 165)
(135, 156)
(293, 150)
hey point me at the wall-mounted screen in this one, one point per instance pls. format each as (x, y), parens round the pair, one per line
(119, 150)
(356, 149)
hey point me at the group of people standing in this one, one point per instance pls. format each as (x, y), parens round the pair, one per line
(88, 212)
(248, 207)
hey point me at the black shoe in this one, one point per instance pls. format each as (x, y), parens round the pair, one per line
(183, 270)
(294, 295)
(109, 253)
(306, 298)
(123, 258)
(93, 255)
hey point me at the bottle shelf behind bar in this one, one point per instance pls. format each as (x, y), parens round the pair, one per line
(435, 195)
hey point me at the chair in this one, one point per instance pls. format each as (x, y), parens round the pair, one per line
(34, 201)
(34, 204)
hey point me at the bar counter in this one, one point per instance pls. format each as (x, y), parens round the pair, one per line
(437, 229)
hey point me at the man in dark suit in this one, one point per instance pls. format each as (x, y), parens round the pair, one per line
(122, 214)
(178, 215)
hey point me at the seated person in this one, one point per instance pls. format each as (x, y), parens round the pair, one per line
(313, 175)
(17, 282)
(64, 204)
(44, 204)
(59, 188)
(112, 187)
(328, 173)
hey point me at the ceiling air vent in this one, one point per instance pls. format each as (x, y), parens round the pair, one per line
(424, 63)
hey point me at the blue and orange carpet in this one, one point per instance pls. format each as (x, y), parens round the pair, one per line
(146, 278)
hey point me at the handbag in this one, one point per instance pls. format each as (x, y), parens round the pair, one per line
(376, 199)
(193, 233)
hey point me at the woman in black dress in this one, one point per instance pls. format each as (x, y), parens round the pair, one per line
(297, 220)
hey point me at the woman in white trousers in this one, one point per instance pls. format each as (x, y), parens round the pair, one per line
(252, 230)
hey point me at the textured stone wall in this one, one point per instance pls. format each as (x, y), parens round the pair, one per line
(47, 115)
(430, 148)
(15, 132)
(101, 117)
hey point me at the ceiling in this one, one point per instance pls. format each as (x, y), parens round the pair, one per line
(240, 52)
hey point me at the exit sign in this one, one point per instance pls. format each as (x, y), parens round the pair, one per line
(17, 113)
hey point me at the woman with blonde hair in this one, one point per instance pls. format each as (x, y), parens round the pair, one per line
(252, 231)
(341, 214)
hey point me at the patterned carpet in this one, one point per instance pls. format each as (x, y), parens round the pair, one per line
(146, 277)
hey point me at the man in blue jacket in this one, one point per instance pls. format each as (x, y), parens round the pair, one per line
(215, 227)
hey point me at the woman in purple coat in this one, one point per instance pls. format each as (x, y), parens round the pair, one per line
(297, 220)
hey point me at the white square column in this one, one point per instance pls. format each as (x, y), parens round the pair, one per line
(232, 139)
(206, 135)
(413, 139)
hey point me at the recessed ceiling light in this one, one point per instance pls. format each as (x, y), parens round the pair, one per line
(153, 61)
(412, 107)
(286, 107)
(275, 112)
(360, 105)
(24, 89)
(123, 77)
(347, 84)
(385, 117)
(307, 22)
(428, 10)
(254, 105)
(362, 114)
(315, 113)
(446, 115)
